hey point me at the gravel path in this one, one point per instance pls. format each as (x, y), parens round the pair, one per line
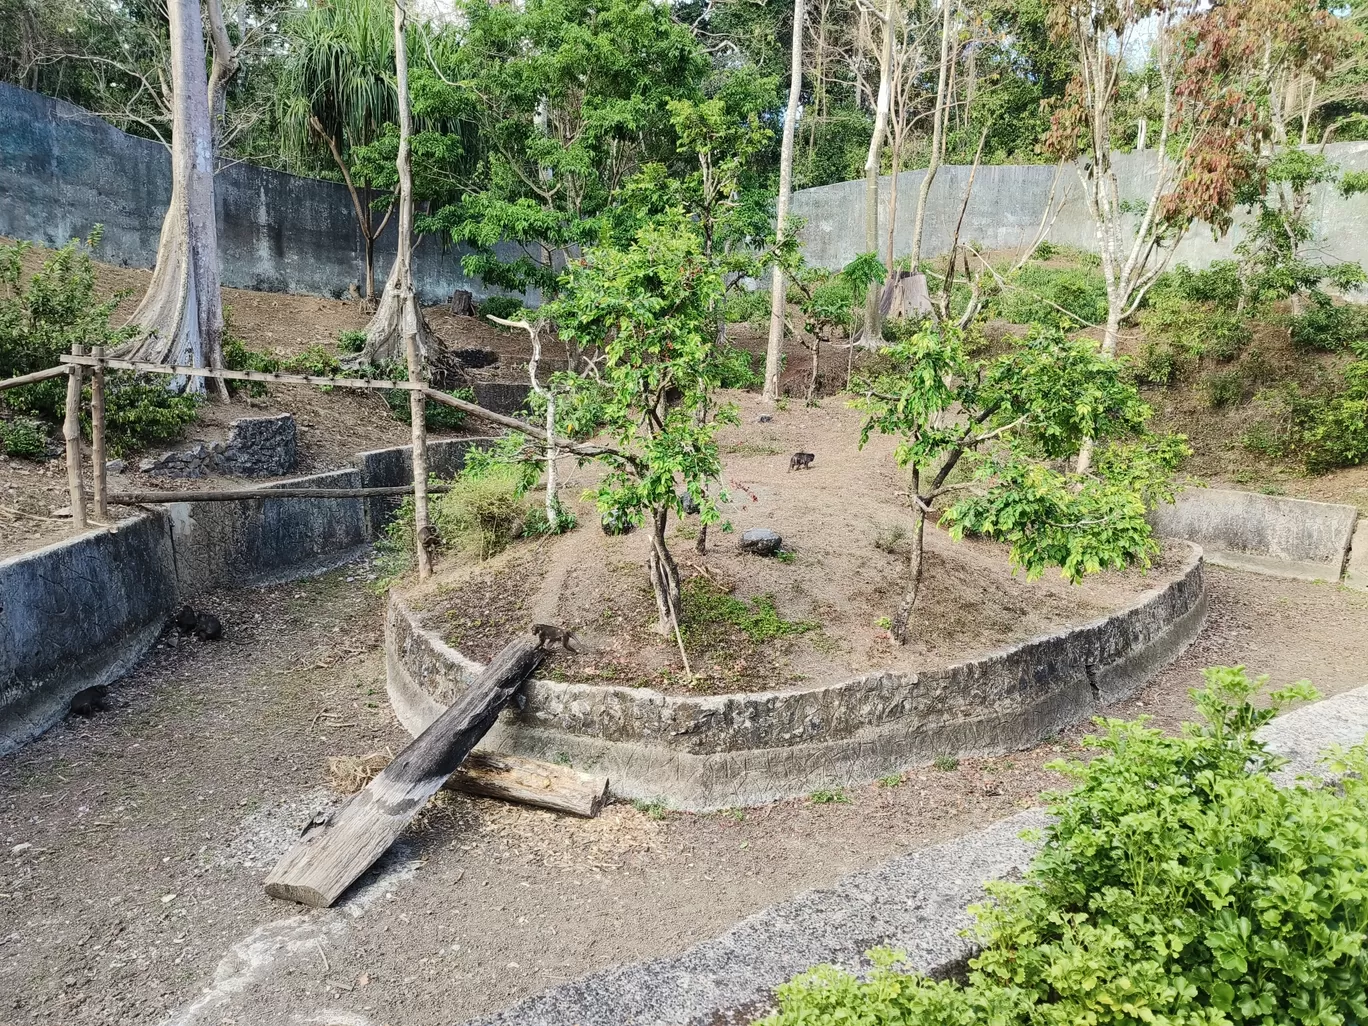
(132, 846)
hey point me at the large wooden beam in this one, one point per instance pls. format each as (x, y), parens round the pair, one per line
(329, 858)
(546, 785)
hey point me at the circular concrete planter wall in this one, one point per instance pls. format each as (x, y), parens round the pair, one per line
(714, 751)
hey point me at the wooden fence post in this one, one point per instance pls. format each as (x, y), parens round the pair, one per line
(99, 491)
(71, 428)
(418, 416)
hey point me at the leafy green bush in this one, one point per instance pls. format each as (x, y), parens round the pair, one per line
(746, 305)
(481, 512)
(1040, 292)
(23, 437)
(506, 307)
(1177, 885)
(1327, 328)
(737, 368)
(1224, 388)
(1329, 428)
(538, 525)
(140, 411)
(351, 341)
(42, 315)
(437, 416)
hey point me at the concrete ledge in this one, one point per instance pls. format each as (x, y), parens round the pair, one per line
(84, 610)
(1263, 533)
(1356, 569)
(709, 752)
(916, 903)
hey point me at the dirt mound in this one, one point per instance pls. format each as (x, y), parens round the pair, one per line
(812, 615)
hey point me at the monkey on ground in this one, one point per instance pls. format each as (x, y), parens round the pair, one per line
(430, 539)
(207, 627)
(802, 461)
(89, 701)
(184, 621)
(548, 635)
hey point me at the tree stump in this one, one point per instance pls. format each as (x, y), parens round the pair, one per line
(462, 304)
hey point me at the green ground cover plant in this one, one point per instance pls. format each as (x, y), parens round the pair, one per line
(1177, 885)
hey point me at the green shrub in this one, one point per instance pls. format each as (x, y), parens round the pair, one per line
(314, 360)
(1224, 388)
(507, 307)
(482, 512)
(140, 411)
(1040, 292)
(351, 341)
(737, 368)
(43, 314)
(538, 525)
(1327, 328)
(1177, 885)
(237, 356)
(743, 305)
(23, 437)
(1329, 428)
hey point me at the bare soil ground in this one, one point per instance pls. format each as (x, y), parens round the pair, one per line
(133, 845)
(842, 522)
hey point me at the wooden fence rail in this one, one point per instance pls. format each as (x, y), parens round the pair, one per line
(265, 377)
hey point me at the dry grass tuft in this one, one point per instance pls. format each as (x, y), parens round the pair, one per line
(348, 774)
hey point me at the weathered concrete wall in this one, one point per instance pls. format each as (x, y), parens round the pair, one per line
(704, 752)
(78, 613)
(63, 170)
(1265, 533)
(1009, 200)
(83, 611)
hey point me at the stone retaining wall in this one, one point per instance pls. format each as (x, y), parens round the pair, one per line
(715, 751)
(1265, 533)
(84, 610)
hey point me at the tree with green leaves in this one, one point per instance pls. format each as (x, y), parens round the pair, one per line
(1012, 421)
(648, 308)
(571, 99)
(337, 98)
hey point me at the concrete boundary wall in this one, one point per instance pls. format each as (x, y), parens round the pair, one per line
(1008, 201)
(64, 170)
(708, 752)
(84, 610)
(1264, 533)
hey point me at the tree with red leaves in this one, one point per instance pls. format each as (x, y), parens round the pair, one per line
(1207, 136)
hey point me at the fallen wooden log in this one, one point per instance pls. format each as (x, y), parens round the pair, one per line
(325, 863)
(515, 779)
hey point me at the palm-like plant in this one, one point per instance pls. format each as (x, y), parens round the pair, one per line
(337, 95)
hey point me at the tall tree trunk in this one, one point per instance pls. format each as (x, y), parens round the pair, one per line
(664, 575)
(399, 313)
(777, 287)
(180, 319)
(221, 72)
(937, 135)
(876, 138)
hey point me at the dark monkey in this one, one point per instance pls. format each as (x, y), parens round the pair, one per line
(207, 627)
(185, 620)
(548, 635)
(89, 701)
(802, 461)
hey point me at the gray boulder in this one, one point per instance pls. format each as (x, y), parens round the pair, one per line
(762, 541)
